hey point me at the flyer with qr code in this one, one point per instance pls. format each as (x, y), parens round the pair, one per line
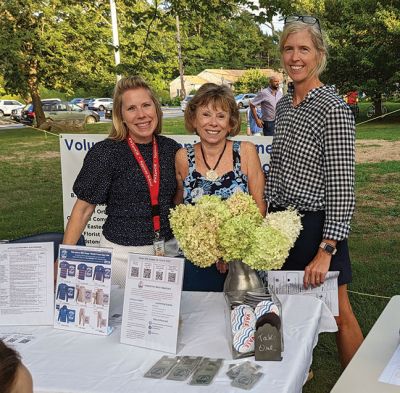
(152, 301)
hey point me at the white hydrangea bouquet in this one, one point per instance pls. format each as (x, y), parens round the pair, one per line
(234, 229)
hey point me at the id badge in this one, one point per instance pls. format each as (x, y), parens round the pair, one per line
(159, 247)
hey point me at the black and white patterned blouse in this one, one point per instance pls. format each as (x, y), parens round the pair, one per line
(313, 159)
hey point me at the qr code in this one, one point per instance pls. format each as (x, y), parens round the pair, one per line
(135, 271)
(171, 277)
(159, 275)
(146, 273)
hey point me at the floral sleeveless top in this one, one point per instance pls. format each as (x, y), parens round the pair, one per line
(195, 185)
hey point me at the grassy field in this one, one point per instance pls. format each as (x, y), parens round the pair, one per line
(31, 202)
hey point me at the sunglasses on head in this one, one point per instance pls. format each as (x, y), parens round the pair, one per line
(309, 20)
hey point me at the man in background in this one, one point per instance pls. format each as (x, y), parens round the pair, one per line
(267, 98)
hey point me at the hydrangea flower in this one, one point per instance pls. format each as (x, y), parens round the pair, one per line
(234, 229)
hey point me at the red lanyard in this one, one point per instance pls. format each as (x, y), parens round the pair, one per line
(152, 182)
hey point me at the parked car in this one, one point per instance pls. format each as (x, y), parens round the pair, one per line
(243, 100)
(28, 114)
(86, 102)
(77, 101)
(185, 101)
(17, 113)
(6, 106)
(99, 104)
(60, 111)
(63, 111)
(108, 111)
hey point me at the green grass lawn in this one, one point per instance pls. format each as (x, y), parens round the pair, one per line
(31, 202)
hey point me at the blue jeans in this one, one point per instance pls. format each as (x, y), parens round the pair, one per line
(269, 128)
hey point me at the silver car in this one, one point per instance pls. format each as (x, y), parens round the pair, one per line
(99, 104)
(243, 100)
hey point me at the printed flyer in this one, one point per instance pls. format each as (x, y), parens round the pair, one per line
(26, 284)
(150, 317)
(82, 298)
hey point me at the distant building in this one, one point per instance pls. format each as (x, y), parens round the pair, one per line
(192, 82)
(217, 76)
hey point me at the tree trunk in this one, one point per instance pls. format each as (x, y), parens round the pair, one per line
(35, 95)
(377, 100)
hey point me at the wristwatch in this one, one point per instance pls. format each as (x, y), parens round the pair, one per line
(328, 248)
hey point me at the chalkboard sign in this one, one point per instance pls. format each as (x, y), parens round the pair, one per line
(268, 343)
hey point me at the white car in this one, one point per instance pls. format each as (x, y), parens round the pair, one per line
(16, 113)
(6, 106)
(185, 101)
(99, 104)
(243, 100)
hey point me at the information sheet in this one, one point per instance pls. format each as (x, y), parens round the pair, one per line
(288, 282)
(391, 373)
(26, 283)
(82, 299)
(152, 300)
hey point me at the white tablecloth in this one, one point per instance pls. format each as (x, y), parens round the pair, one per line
(66, 362)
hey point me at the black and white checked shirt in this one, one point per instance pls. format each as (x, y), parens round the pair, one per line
(313, 159)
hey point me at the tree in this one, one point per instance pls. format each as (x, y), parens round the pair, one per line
(252, 80)
(49, 44)
(364, 46)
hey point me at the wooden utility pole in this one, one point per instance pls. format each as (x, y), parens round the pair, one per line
(181, 75)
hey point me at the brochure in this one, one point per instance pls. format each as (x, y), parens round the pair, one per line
(152, 300)
(26, 283)
(82, 297)
(286, 282)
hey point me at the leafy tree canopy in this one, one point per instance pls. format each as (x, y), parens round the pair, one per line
(252, 81)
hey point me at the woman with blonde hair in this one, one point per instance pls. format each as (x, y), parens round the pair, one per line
(312, 169)
(132, 172)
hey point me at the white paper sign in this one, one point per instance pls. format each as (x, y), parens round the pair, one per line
(83, 289)
(26, 283)
(288, 282)
(152, 300)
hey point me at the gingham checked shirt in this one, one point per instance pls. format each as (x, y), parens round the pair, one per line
(312, 160)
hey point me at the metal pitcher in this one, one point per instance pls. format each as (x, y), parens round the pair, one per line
(240, 279)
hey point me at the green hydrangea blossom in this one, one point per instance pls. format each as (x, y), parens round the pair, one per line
(234, 229)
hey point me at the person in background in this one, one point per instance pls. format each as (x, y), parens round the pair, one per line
(352, 102)
(216, 165)
(252, 128)
(133, 173)
(267, 98)
(14, 376)
(312, 169)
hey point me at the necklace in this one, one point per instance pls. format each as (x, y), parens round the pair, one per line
(211, 174)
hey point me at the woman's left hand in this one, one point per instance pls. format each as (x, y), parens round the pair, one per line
(222, 267)
(315, 271)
